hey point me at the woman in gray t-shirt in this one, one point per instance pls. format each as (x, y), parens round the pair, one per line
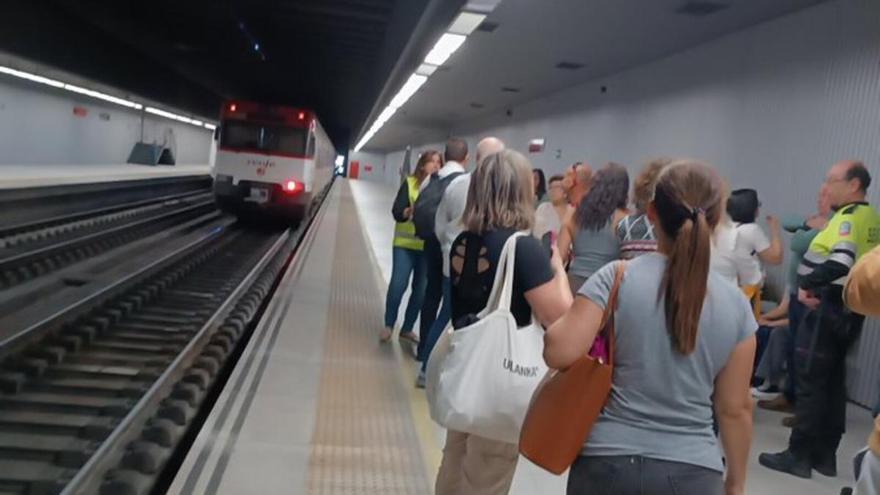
(684, 349)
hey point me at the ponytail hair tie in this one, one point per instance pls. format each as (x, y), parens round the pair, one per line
(696, 212)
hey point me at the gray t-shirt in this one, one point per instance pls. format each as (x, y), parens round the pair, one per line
(660, 405)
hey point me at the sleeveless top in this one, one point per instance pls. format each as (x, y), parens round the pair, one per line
(593, 249)
(636, 236)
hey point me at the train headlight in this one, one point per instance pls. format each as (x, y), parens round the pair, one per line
(291, 186)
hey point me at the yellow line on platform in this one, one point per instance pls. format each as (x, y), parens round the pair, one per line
(407, 371)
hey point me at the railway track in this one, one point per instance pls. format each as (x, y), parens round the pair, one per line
(98, 399)
(34, 253)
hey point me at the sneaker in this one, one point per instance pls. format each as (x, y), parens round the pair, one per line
(765, 394)
(779, 404)
(385, 334)
(420, 380)
(826, 465)
(789, 421)
(786, 462)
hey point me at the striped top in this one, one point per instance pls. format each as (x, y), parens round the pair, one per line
(636, 236)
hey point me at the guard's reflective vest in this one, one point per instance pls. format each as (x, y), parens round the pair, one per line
(405, 232)
(852, 231)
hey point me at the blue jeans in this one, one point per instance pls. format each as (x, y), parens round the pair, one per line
(433, 292)
(405, 262)
(636, 475)
(440, 323)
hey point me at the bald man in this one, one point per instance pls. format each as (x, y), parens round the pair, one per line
(829, 327)
(447, 226)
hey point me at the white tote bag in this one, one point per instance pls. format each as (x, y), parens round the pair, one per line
(480, 378)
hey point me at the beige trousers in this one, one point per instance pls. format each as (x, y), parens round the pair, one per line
(475, 465)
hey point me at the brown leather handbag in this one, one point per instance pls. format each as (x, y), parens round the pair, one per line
(567, 402)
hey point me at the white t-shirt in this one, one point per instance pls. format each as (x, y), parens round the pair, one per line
(546, 220)
(735, 251)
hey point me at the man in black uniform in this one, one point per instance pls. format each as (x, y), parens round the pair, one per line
(829, 328)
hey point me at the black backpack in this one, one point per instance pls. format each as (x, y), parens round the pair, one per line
(426, 205)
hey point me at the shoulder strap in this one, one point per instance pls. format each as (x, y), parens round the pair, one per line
(608, 323)
(502, 287)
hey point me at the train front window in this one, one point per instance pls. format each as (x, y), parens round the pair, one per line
(265, 138)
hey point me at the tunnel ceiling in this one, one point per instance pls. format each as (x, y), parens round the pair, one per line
(331, 55)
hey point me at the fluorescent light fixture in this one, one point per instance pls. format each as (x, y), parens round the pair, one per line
(446, 46)
(103, 96)
(173, 116)
(386, 114)
(426, 69)
(409, 88)
(31, 77)
(466, 22)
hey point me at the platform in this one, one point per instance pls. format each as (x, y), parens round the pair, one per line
(317, 405)
(20, 176)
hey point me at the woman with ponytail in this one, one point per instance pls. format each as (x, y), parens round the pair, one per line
(684, 350)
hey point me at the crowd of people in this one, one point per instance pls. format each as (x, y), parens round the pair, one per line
(693, 342)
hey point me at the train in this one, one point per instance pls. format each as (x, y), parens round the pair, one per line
(272, 161)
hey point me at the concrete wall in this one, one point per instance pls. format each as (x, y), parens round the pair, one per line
(772, 107)
(38, 126)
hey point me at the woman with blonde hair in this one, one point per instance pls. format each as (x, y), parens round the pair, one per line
(684, 347)
(407, 258)
(500, 203)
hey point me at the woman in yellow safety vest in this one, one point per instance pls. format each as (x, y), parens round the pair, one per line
(407, 254)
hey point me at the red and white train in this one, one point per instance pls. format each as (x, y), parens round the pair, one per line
(271, 160)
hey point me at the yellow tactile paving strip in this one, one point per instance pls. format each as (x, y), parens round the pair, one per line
(364, 440)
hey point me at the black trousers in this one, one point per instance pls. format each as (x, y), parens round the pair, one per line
(822, 344)
(433, 292)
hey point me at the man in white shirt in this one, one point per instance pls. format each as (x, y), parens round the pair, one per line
(455, 160)
(447, 226)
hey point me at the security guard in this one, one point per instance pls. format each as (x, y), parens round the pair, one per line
(829, 328)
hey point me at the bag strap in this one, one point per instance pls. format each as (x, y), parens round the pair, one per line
(608, 323)
(502, 287)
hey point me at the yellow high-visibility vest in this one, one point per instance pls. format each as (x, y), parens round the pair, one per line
(405, 232)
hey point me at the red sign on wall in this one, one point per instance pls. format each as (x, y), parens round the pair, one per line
(80, 111)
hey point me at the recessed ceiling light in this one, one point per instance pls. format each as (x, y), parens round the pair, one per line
(569, 65)
(701, 8)
(466, 22)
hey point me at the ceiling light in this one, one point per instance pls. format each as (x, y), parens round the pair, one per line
(386, 114)
(31, 77)
(426, 69)
(409, 88)
(466, 22)
(209, 126)
(446, 46)
(174, 116)
(102, 96)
